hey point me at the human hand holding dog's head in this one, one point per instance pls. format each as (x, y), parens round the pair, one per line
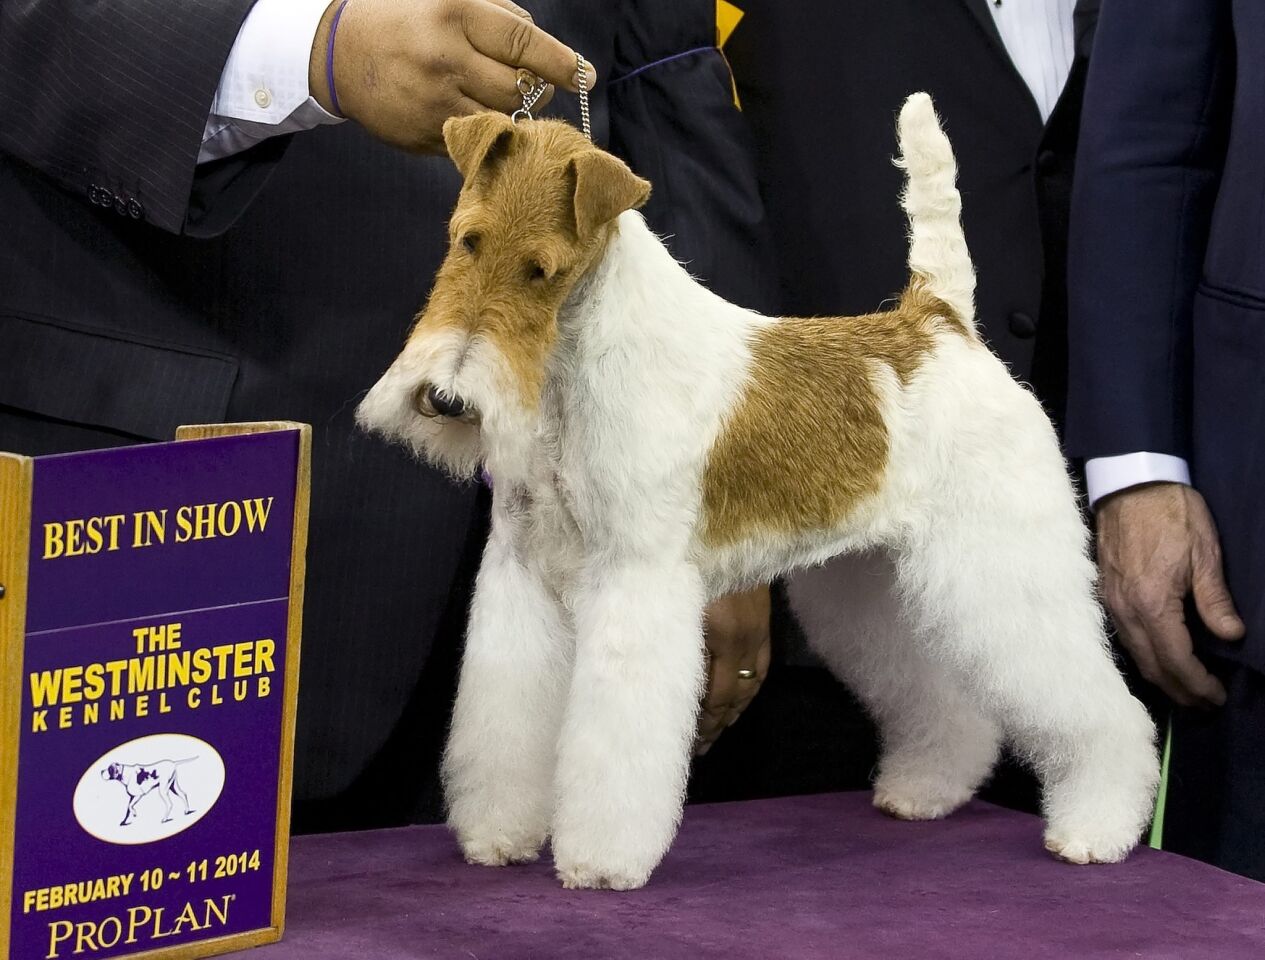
(1156, 545)
(403, 67)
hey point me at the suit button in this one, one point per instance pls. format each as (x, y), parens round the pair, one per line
(1047, 161)
(134, 209)
(120, 206)
(1022, 325)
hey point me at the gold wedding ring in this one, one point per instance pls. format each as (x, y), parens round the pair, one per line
(745, 674)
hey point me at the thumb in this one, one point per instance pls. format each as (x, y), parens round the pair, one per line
(1213, 600)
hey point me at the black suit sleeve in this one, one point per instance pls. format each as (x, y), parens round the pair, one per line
(1152, 143)
(111, 98)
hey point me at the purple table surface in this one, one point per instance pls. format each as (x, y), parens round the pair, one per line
(805, 878)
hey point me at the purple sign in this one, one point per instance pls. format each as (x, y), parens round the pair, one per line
(153, 719)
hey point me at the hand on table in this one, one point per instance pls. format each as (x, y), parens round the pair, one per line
(738, 649)
(403, 67)
(1156, 545)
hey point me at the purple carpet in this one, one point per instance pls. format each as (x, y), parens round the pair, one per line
(805, 878)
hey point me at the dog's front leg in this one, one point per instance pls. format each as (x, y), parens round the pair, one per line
(499, 762)
(626, 739)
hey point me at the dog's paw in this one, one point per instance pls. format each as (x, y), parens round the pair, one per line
(499, 851)
(1082, 848)
(1098, 825)
(576, 876)
(909, 799)
(598, 866)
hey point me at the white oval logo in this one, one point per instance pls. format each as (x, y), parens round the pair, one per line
(149, 789)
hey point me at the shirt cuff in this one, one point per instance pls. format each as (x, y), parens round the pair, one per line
(1108, 475)
(263, 89)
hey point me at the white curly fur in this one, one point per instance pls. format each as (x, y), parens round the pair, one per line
(960, 602)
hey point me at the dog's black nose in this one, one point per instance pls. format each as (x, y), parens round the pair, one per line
(445, 406)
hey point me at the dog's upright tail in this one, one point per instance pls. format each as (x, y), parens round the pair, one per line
(939, 261)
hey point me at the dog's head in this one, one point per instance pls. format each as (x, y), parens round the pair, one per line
(535, 213)
(112, 772)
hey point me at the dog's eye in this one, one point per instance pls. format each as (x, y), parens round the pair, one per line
(535, 271)
(471, 242)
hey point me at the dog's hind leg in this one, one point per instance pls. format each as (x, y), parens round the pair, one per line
(174, 786)
(626, 741)
(165, 796)
(937, 746)
(499, 762)
(1007, 598)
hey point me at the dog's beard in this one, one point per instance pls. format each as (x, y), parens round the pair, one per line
(390, 410)
(458, 367)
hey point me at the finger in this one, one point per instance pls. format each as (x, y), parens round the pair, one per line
(1192, 678)
(738, 708)
(1134, 639)
(511, 40)
(463, 106)
(706, 737)
(514, 8)
(726, 703)
(1175, 652)
(712, 710)
(722, 690)
(749, 687)
(492, 84)
(711, 725)
(1212, 596)
(424, 138)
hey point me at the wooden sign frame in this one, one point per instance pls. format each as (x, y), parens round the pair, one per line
(17, 478)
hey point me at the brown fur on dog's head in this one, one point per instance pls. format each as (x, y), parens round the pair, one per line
(535, 213)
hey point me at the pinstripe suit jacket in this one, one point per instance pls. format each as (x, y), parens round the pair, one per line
(1015, 173)
(138, 291)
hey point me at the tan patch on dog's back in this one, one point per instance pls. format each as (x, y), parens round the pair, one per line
(807, 442)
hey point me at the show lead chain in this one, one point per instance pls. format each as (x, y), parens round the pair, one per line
(531, 89)
(582, 81)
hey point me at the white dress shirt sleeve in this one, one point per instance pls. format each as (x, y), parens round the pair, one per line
(263, 90)
(1108, 475)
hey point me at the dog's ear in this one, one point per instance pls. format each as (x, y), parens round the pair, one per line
(604, 188)
(476, 139)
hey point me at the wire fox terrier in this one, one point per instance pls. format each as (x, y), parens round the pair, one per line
(653, 447)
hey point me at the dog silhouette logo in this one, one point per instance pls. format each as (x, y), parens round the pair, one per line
(149, 789)
(142, 779)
